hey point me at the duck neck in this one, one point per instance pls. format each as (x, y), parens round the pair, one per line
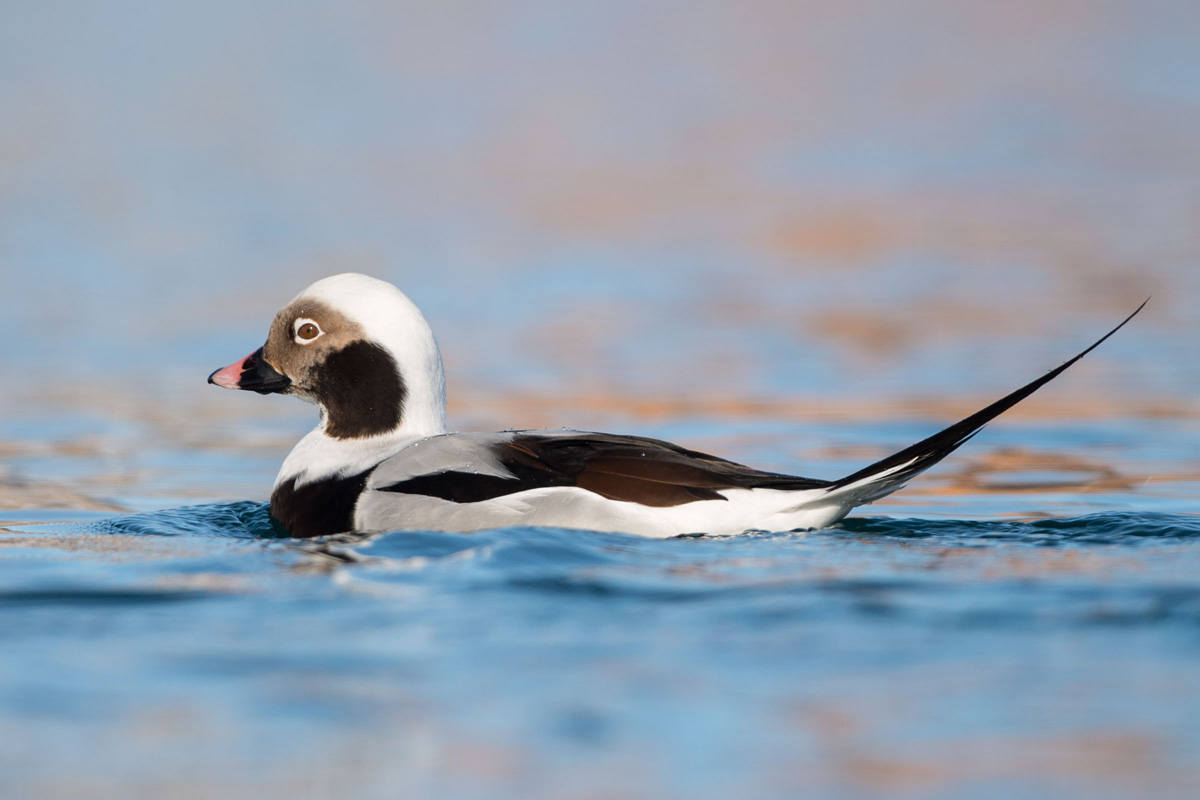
(369, 412)
(319, 456)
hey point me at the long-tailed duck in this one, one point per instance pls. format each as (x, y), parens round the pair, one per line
(381, 459)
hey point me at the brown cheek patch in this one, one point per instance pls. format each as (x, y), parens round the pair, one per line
(297, 360)
(356, 381)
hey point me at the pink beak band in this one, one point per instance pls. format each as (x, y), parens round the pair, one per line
(252, 373)
(228, 377)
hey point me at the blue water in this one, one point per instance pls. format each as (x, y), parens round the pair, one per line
(197, 648)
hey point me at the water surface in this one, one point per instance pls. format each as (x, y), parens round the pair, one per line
(944, 648)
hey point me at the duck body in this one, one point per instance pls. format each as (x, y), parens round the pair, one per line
(381, 459)
(564, 479)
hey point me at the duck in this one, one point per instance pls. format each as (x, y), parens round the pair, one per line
(381, 458)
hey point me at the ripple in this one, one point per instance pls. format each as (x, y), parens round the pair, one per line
(92, 597)
(1129, 528)
(244, 519)
(529, 547)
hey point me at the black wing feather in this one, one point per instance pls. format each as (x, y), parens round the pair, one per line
(630, 468)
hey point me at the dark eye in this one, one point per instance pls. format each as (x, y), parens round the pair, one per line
(308, 331)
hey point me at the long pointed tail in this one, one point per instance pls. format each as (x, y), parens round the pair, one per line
(886, 476)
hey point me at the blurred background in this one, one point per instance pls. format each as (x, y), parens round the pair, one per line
(614, 214)
(797, 234)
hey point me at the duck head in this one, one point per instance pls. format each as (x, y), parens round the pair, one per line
(358, 348)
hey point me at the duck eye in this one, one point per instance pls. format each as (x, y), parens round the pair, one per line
(307, 331)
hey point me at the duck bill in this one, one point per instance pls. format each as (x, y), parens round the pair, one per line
(252, 373)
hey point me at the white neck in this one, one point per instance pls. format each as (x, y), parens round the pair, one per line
(319, 455)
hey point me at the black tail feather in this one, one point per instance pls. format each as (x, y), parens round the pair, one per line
(926, 453)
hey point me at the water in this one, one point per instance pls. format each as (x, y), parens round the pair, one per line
(1022, 620)
(195, 652)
